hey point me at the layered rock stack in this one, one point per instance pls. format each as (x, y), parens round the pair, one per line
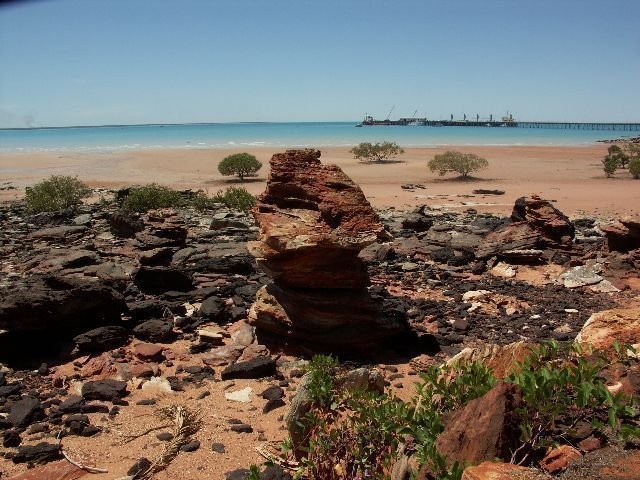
(314, 220)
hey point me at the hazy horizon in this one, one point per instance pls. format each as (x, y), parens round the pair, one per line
(73, 63)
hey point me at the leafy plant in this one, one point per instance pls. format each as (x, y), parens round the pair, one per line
(202, 202)
(240, 164)
(322, 370)
(254, 473)
(377, 152)
(634, 168)
(559, 389)
(150, 197)
(55, 193)
(457, 162)
(237, 198)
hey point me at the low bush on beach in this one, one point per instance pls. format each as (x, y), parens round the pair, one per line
(237, 198)
(361, 434)
(620, 157)
(452, 161)
(239, 164)
(55, 193)
(376, 152)
(150, 197)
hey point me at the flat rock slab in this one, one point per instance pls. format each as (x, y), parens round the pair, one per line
(60, 470)
(104, 389)
(243, 396)
(255, 368)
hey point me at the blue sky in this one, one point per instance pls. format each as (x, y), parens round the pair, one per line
(88, 62)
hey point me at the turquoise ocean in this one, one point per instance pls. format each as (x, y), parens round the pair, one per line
(294, 134)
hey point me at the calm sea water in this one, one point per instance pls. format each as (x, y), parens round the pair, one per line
(308, 134)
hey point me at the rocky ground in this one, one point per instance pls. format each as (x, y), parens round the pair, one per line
(107, 317)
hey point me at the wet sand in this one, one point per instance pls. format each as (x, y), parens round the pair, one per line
(572, 176)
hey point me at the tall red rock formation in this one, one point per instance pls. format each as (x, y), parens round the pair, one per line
(314, 220)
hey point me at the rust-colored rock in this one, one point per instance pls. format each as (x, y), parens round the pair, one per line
(500, 471)
(559, 458)
(314, 221)
(484, 429)
(544, 217)
(61, 470)
(343, 319)
(606, 327)
(516, 236)
(624, 234)
(500, 359)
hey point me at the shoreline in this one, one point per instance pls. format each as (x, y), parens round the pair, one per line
(570, 175)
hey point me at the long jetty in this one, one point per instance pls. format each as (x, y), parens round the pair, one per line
(621, 127)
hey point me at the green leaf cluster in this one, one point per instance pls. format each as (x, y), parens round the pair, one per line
(237, 198)
(377, 152)
(452, 161)
(240, 164)
(54, 194)
(151, 197)
(625, 156)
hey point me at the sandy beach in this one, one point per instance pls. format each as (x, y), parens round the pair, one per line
(571, 176)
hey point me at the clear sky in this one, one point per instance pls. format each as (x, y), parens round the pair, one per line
(89, 62)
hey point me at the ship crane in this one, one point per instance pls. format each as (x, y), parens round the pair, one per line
(390, 111)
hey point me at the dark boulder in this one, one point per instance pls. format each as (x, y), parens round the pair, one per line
(125, 225)
(239, 265)
(60, 304)
(154, 331)
(213, 308)
(255, 368)
(104, 389)
(157, 280)
(37, 454)
(25, 411)
(102, 339)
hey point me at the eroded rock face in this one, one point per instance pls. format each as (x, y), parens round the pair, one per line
(606, 327)
(313, 223)
(543, 216)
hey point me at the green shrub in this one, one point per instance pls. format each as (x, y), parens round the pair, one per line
(55, 193)
(359, 434)
(377, 152)
(202, 202)
(237, 198)
(564, 386)
(150, 197)
(610, 165)
(634, 167)
(240, 164)
(457, 162)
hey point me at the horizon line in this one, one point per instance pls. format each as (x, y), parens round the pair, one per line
(155, 124)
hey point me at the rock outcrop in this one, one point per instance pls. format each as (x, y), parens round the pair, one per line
(313, 223)
(544, 217)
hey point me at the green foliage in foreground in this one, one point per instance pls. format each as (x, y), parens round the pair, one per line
(377, 152)
(153, 196)
(356, 434)
(150, 197)
(54, 194)
(237, 198)
(452, 161)
(240, 164)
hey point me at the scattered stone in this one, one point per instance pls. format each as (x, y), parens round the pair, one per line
(241, 428)
(256, 368)
(218, 448)
(25, 411)
(141, 466)
(559, 458)
(604, 328)
(192, 446)
(37, 454)
(243, 395)
(101, 339)
(104, 389)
